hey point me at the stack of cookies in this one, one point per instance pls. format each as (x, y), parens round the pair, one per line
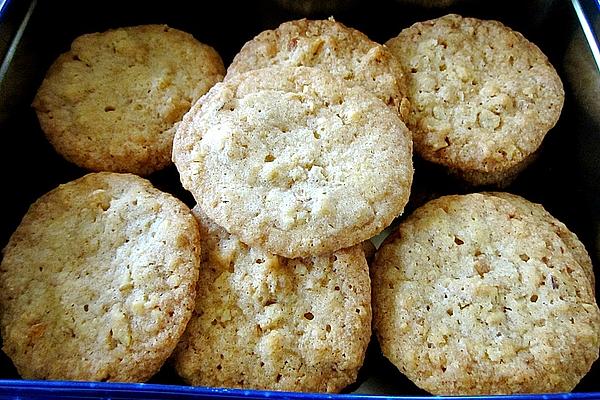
(295, 160)
(284, 161)
(483, 293)
(99, 280)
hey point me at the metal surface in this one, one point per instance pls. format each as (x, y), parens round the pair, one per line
(588, 30)
(10, 53)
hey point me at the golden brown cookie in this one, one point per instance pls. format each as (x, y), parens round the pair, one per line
(291, 160)
(330, 45)
(476, 295)
(482, 97)
(112, 101)
(267, 322)
(98, 281)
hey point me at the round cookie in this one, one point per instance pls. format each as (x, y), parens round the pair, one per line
(342, 51)
(473, 296)
(112, 101)
(482, 97)
(98, 281)
(267, 322)
(291, 160)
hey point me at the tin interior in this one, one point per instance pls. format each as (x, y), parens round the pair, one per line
(565, 178)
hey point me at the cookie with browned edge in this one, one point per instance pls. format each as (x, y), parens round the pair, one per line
(291, 160)
(266, 322)
(330, 45)
(111, 102)
(482, 97)
(98, 281)
(480, 294)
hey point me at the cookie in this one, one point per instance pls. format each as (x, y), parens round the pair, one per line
(330, 45)
(291, 160)
(472, 295)
(267, 322)
(98, 281)
(482, 97)
(112, 101)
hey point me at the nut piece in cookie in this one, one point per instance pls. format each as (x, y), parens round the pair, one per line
(266, 322)
(112, 101)
(484, 294)
(482, 97)
(291, 160)
(330, 45)
(98, 281)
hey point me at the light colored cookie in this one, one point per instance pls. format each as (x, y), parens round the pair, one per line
(98, 281)
(267, 322)
(291, 160)
(542, 216)
(111, 102)
(473, 296)
(482, 97)
(342, 51)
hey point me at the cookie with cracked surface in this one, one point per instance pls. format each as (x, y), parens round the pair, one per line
(482, 97)
(342, 51)
(266, 322)
(472, 295)
(98, 281)
(291, 160)
(112, 101)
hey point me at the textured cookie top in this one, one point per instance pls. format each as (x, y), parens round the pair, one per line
(267, 322)
(98, 281)
(473, 296)
(110, 103)
(482, 96)
(291, 160)
(342, 51)
(542, 216)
